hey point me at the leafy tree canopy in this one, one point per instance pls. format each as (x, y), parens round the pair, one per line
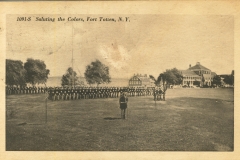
(70, 78)
(229, 79)
(15, 72)
(36, 71)
(97, 73)
(216, 80)
(170, 76)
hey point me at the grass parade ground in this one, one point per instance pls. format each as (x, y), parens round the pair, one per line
(189, 120)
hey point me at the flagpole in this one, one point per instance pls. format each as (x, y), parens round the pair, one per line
(73, 85)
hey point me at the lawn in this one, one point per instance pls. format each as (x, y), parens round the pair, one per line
(189, 120)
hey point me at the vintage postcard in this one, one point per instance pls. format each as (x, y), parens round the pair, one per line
(148, 77)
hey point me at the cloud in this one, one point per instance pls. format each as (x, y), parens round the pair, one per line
(116, 55)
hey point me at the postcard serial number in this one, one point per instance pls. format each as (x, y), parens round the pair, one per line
(77, 19)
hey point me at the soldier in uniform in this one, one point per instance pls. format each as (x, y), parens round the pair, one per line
(87, 92)
(81, 93)
(57, 92)
(49, 93)
(98, 92)
(155, 94)
(73, 93)
(41, 89)
(61, 93)
(77, 93)
(132, 91)
(90, 93)
(112, 92)
(93, 92)
(107, 92)
(123, 100)
(103, 92)
(64, 94)
(68, 94)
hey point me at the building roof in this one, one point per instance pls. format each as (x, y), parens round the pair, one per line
(144, 79)
(198, 66)
(188, 73)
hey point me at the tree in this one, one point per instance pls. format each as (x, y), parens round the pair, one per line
(228, 79)
(171, 76)
(36, 71)
(15, 73)
(70, 78)
(216, 80)
(97, 73)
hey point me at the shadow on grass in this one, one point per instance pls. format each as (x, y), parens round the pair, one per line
(24, 123)
(111, 118)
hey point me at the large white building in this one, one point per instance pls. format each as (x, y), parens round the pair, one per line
(197, 75)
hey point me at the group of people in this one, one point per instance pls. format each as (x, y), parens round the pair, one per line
(25, 90)
(70, 93)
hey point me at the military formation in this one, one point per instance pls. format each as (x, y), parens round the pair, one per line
(26, 90)
(70, 93)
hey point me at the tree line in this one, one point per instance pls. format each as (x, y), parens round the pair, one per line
(34, 71)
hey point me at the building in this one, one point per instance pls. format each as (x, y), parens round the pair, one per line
(197, 75)
(139, 80)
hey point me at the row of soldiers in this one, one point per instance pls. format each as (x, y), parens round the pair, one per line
(110, 91)
(101, 92)
(68, 93)
(26, 90)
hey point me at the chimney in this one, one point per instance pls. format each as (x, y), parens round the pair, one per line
(189, 65)
(198, 63)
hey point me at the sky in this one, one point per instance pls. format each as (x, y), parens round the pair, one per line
(145, 44)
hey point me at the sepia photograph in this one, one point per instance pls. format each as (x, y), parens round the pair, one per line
(119, 82)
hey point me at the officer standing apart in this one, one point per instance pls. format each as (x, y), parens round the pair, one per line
(123, 100)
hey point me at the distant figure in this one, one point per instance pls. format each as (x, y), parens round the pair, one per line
(123, 100)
